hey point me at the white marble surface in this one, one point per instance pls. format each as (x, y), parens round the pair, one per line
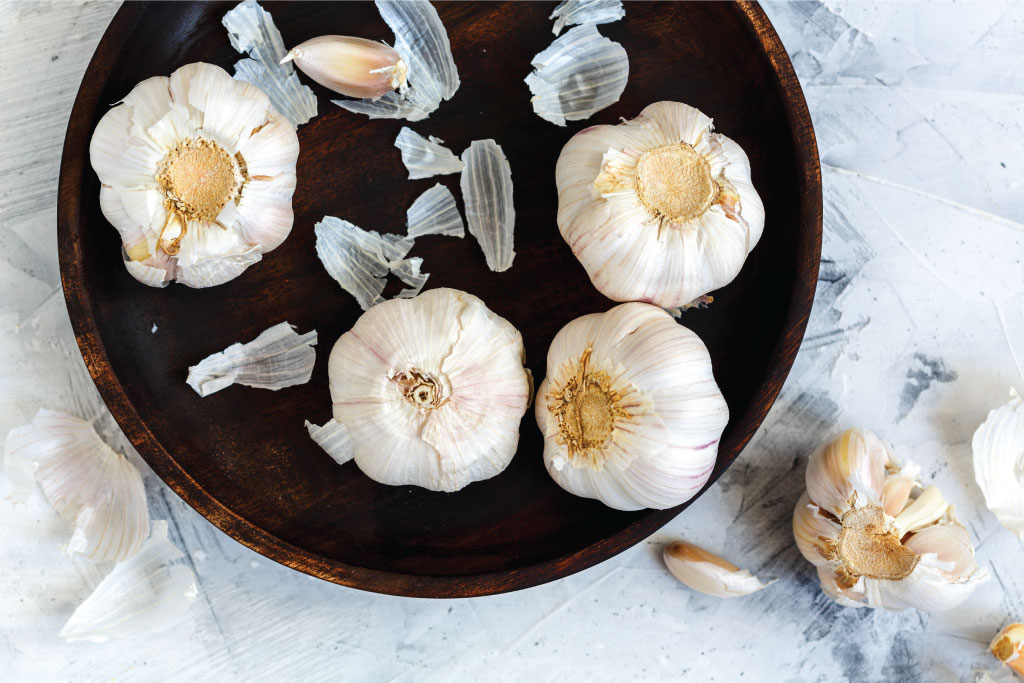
(918, 329)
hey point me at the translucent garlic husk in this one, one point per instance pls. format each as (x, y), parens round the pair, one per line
(197, 173)
(876, 538)
(630, 411)
(709, 574)
(430, 390)
(356, 67)
(998, 447)
(659, 209)
(1008, 647)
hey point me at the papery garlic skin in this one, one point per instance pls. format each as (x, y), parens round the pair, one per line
(356, 67)
(998, 447)
(197, 174)
(709, 574)
(630, 411)
(919, 557)
(431, 390)
(659, 209)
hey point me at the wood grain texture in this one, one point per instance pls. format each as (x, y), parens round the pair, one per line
(242, 457)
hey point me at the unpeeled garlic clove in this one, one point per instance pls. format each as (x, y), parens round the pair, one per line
(709, 574)
(356, 67)
(1008, 647)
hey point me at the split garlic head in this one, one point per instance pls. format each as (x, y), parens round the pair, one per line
(659, 209)
(197, 173)
(630, 411)
(431, 390)
(877, 539)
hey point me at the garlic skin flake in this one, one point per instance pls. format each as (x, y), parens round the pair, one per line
(577, 76)
(356, 67)
(408, 271)
(422, 42)
(197, 173)
(658, 209)
(709, 574)
(434, 213)
(251, 30)
(277, 358)
(359, 260)
(572, 12)
(630, 411)
(998, 446)
(1008, 647)
(89, 484)
(140, 594)
(333, 438)
(431, 390)
(486, 184)
(426, 157)
(877, 542)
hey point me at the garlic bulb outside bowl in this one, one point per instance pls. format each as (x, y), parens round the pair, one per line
(431, 390)
(629, 410)
(197, 173)
(658, 209)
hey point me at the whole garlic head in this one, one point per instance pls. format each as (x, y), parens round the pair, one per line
(658, 209)
(197, 173)
(874, 537)
(431, 390)
(629, 410)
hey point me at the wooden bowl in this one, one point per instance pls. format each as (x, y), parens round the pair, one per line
(242, 457)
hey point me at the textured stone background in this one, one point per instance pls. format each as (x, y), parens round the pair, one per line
(918, 330)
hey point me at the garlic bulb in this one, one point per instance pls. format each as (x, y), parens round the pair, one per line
(1008, 647)
(709, 574)
(658, 209)
(356, 67)
(431, 390)
(998, 446)
(874, 538)
(629, 410)
(197, 174)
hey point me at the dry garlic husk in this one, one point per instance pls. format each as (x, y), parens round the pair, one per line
(658, 209)
(998, 447)
(486, 184)
(88, 483)
(425, 157)
(356, 67)
(709, 574)
(573, 12)
(434, 213)
(143, 593)
(359, 260)
(875, 537)
(1008, 647)
(431, 390)
(629, 410)
(197, 174)
(333, 438)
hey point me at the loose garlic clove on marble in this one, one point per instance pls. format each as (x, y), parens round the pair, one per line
(709, 574)
(658, 209)
(356, 67)
(1008, 647)
(430, 390)
(630, 411)
(845, 525)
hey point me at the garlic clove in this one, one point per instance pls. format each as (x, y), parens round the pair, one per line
(951, 543)
(923, 511)
(1008, 647)
(847, 472)
(574, 12)
(927, 588)
(709, 574)
(852, 596)
(815, 533)
(426, 157)
(434, 213)
(89, 484)
(998, 446)
(898, 487)
(356, 67)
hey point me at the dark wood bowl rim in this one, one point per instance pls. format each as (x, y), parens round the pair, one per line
(163, 463)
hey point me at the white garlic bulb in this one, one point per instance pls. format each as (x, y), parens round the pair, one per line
(629, 410)
(876, 540)
(431, 390)
(356, 67)
(998, 446)
(658, 209)
(197, 174)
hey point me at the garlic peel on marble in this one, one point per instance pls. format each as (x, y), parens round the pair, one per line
(658, 209)
(333, 438)
(434, 213)
(579, 74)
(431, 390)
(629, 410)
(251, 30)
(998, 446)
(197, 173)
(708, 573)
(876, 541)
(573, 12)
(426, 157)
(278, 358)
(89, 484)
(486, 184)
